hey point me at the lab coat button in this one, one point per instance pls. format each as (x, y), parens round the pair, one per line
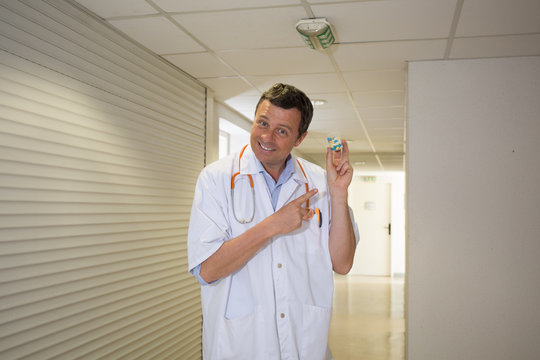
(282, 315)
(279, 266)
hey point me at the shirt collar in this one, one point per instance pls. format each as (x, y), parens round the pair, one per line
(251, 165)
(285, 174)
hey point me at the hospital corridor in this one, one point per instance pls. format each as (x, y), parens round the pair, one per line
(368, 318)
(122, 125)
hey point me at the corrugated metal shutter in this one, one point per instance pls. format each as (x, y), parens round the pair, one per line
(100, 146)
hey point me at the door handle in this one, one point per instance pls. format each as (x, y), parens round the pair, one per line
(389, 227)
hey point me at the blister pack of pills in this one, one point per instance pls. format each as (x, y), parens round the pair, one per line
(334, 142)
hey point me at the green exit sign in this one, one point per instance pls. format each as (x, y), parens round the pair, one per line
(369, 178)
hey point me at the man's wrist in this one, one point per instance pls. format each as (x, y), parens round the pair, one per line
(339, 196)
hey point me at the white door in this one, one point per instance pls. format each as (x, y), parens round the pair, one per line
(370, 202)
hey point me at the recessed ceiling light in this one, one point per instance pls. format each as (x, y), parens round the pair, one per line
(318, 102)
(360, 163)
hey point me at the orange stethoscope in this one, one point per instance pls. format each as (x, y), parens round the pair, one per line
(250, 219)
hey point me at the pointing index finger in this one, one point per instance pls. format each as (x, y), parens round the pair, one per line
(303, 198)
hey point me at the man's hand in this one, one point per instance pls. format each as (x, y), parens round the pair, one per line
(290, 216)
(339, 171)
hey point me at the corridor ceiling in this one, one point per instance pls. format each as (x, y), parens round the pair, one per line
(238, 48)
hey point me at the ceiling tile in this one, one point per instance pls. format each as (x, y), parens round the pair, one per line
(245, 29)
(313, 142)
(499, 17)
(326, 123)
(388, 20)
(352, 131)
(392, 133)
(365, 163)
(227, 87)
(205, 5)
(359, 145)
(384, 123)
(108, 8)
(393, 165)
(379, 98)
(335, 103)
(386, 55)
(376, 80)
(311, 84)
(382, 112)
(383, 147)
(302, 60)
(332, 1)
(157, 34)
(200, 65)
(496, 46)
(388, 139)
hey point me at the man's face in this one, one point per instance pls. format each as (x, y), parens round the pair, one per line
(274, 134)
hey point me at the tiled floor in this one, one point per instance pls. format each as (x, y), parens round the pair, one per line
(367, 320)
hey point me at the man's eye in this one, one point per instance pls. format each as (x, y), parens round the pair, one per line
(282, 132)
(263, 123)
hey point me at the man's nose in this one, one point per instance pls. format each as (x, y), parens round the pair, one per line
(268, 135)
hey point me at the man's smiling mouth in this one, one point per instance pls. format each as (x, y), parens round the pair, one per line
(265, 148)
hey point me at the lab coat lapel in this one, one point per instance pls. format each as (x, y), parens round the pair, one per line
(295, 185)
(248, 163)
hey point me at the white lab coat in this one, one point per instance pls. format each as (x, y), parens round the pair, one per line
(278, 305)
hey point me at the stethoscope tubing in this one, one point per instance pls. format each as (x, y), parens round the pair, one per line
(250, 219)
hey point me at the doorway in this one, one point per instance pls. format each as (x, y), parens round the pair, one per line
(371, 206)
(378, 203)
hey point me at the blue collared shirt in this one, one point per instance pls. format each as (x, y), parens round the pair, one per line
(275, 186)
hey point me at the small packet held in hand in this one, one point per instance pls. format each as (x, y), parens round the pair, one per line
(334, 142)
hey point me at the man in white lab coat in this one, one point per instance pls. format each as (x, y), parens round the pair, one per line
(267, 230)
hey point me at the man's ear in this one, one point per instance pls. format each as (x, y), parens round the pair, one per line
(300, 139)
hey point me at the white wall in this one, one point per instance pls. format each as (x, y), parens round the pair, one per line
(239, 136)
(472, 205)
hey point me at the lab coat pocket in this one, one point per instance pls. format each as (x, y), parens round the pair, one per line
(237, 340)
(315, 326)
(309, 237)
